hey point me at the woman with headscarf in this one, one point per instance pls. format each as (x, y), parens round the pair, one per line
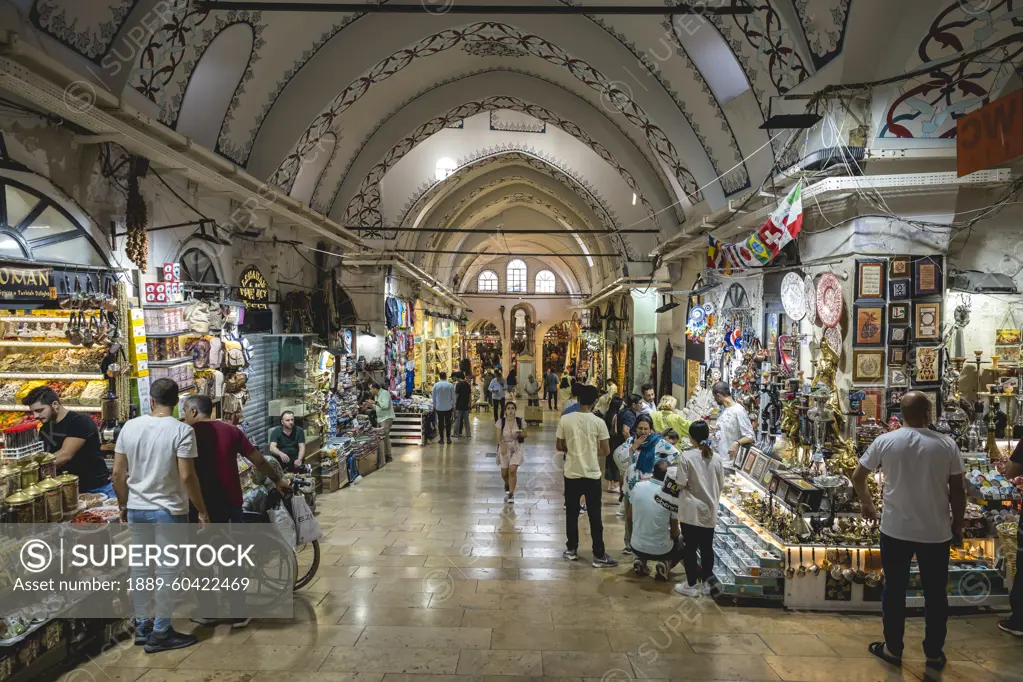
(611, 473)
(637, 456)
(666, 416)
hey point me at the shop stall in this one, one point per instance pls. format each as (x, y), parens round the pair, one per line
(555, 347)
(485, 351)
(399, 346)
(820, 358)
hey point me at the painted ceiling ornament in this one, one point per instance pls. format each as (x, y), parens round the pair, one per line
(492, 48)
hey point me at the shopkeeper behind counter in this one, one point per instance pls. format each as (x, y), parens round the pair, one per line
(287, 442)
(74, 439)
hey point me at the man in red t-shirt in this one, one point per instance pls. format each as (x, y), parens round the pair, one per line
(219, 444)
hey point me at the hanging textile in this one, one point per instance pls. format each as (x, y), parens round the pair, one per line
(760, 248)
(665, 388)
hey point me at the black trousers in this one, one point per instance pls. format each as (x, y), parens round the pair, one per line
(1016, 596)
(444, 424)
(590, 489)
(533, 402)
(552, 400)
(698, 538)
(932, 558)
(498, 408)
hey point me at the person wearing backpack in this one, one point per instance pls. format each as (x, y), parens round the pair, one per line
(511, 434)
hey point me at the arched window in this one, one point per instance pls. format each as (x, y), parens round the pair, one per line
(197, 266)
(488, 281)
(545, 282)
(445, 167)
(516, 276)
(34, 227)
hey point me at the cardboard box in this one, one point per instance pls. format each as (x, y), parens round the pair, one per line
(331, 482)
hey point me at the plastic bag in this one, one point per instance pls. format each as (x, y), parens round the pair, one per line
(284, 524)
(307, 527)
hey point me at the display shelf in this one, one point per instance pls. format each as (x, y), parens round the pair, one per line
(11, 343)
(51, 375)
(72, 408)
(171, 363)
(407, 428)
(33, 318)
(778, 502)
(168, 335)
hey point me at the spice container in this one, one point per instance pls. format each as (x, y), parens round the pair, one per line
(53, 498)
(48, 466)
(19, 508)
(38, 503)
(29, 474)
(69, 492)
(10, 480)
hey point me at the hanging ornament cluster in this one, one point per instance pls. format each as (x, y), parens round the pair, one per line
(696, 326)
(137, 217)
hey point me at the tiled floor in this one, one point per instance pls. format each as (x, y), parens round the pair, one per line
(427, 577)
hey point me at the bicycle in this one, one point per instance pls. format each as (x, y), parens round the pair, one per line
(307, 555)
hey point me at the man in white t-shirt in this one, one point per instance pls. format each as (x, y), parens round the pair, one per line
(656, 535)
(924, 504)
(734, 428)
(584, 439)
(154, 478)
(649, 404)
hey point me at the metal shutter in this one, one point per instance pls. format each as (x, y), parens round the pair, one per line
(260, 384)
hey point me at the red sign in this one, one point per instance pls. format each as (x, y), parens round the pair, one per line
(991, 135)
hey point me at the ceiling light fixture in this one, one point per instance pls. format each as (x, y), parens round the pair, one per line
(667, 305)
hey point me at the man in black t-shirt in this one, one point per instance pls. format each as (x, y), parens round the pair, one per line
(287, 443)
(463, 403)
(73, 438)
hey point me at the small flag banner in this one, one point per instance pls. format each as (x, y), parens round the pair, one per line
(760, 248)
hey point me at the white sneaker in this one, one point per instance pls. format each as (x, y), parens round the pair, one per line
(621, 509)
(688, 590)
(707, 588)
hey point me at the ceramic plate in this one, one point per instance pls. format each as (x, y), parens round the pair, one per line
(811, 299)
(697, 315)
(829, 299)
(833, 337)
(792, 296)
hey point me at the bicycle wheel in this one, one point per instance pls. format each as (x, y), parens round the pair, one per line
(308, 562)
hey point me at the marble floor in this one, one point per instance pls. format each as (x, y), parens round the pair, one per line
(427, 577)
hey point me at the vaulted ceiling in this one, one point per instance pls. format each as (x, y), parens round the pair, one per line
(608, 121)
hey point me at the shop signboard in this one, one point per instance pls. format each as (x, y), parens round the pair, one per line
(21, 283)
(253, 289)
(991, 135)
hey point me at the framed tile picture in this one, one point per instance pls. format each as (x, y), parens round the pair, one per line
(894, 397)
(869, 325)
(898, 289)
(927, 365)
(927, 280)
(896, 356)
(927, 321)
(898, 313)
(934, 397)
(899, 267)
(898, 377)
(899, 336)
(868, 366)
(870, 279)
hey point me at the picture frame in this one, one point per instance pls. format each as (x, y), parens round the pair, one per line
(759, 467)
(927, 279)
(899, 313)
(893, 397)
(927, 321)
(871, 278)
(934, 397)
(899, 289)
(926, 365)
(869, 325)
(1008, 355)
(899, 267)
(898, 377)
(872, 403)
(899, 336)
(868, 366)
(897, 356)
(1007, 337)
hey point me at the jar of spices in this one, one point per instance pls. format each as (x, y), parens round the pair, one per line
(29, 474)
(19, 508)
(69, 493)
(48, 466)
(35, 493)
(53, 498)
(10, 479)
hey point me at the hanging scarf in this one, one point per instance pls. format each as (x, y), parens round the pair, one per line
(647, 454)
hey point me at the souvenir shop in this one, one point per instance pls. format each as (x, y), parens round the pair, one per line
(555, 346)
(438, 346)
(399, 346)
(820, 356)
(485, 350)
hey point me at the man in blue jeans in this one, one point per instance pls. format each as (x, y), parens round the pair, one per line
(155, 478)
(924, 505)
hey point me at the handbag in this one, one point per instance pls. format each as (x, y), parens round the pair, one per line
(197, 317)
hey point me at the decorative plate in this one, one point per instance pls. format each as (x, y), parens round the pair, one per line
(792, 296)
(829, 299)
(811, 299)
(697, 315)
(709, 308)
(833, 337)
